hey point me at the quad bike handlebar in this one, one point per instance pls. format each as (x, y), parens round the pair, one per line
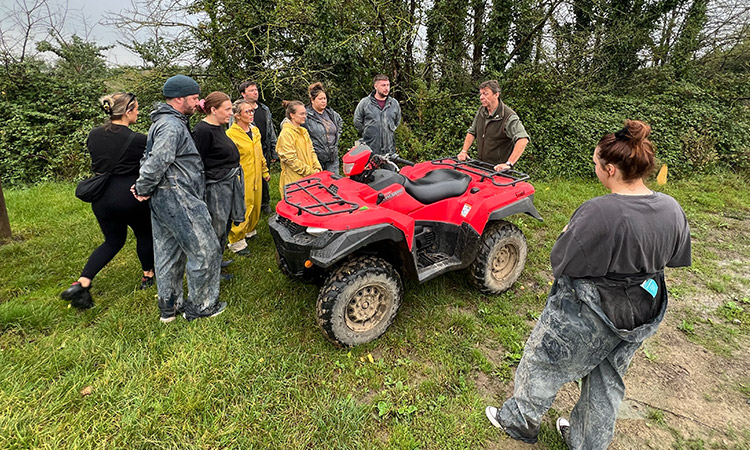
(380, 160)
(393, 157)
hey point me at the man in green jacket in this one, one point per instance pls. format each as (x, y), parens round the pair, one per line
(499, 134)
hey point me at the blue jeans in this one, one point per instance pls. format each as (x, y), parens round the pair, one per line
(331, 166)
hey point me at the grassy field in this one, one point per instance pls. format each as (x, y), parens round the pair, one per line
(262, 376)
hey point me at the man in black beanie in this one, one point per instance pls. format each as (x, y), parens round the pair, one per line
(171, 175)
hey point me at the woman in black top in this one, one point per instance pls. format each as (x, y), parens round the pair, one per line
(117, 209)
(225, 195)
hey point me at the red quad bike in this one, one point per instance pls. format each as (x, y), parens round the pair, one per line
(361, 234)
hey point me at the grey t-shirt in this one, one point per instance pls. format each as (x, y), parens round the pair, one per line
(623, 234)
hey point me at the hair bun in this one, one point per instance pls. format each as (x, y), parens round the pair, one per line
(637, 131)
(315, 86)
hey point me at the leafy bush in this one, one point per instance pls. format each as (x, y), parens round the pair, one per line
(44, 123)
(693, 130)
(48, 110)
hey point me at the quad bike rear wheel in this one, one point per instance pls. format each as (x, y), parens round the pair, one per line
(359, 301)
(501, 258)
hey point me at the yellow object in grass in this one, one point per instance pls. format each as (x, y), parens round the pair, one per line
(661, 178)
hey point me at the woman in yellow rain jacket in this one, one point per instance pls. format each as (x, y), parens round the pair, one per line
(246, 137)
(295, 148)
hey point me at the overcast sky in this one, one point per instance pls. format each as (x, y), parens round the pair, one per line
(93, 12)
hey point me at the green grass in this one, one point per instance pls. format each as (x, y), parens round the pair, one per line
(262, 375)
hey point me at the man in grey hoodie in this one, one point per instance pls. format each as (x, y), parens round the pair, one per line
(171, 175)
(377, 116)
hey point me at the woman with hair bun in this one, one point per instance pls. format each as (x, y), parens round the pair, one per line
(225, 195)
(325, 126)
(294, 146)
(609, 295)
(246, 137)
(116, 149)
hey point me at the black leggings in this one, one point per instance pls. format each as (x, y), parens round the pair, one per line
(116, 211)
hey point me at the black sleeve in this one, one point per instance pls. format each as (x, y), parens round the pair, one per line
(139, 143)
(203, 140)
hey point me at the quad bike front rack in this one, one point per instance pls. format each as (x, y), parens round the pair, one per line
(313, 197)
(484, 170)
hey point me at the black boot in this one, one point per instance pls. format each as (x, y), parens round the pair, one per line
(79, 296)
(146, 282)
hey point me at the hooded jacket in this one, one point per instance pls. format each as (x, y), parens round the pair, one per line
(170, 159)
(296, 154)
(254, 166)
(317, 130)
(251, 156)
(378, 126)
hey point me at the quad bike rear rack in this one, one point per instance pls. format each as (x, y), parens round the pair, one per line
(484, 170)
(319, 199)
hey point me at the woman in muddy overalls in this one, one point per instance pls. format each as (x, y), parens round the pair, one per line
(608, 297)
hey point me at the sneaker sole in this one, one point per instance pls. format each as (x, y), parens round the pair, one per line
(184, 315)
(218, 312)
(490, 412)
(563, 423)
(167, 319)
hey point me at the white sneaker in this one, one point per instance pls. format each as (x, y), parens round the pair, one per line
(491, 413)
(251, 234)
(563, 427)
(237, 246)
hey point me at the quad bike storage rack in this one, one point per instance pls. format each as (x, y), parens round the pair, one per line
(484, 170)
(316, 198)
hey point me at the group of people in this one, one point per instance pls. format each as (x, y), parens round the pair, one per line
(188, 194)
(206, 189)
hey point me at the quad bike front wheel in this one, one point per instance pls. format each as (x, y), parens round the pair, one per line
(359, 301)
(501, 258)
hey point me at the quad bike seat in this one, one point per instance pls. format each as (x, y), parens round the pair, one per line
(437, 185)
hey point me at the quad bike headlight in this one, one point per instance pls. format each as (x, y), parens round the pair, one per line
(348, 168)
(315, 231)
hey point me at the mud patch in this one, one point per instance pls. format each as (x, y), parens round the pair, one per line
(491, 387)
(694, 393)
(495, 353)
